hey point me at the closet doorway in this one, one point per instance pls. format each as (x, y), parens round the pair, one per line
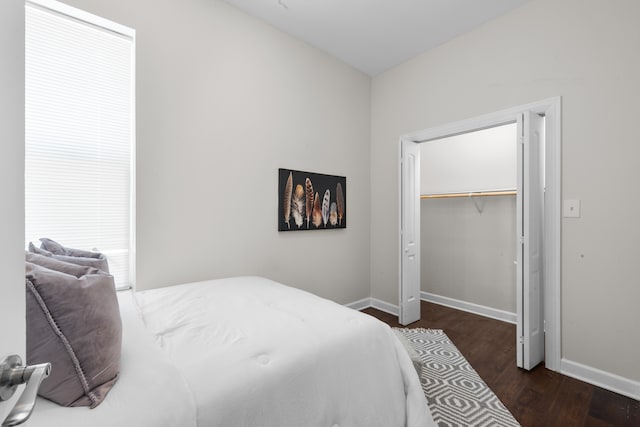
(538, 164)
(468, 192)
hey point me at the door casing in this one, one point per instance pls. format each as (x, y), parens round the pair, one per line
(551, 109)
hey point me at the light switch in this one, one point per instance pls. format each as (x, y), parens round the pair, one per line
(571, 209)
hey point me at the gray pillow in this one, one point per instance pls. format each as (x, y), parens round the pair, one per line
(36, 250)
(59, 265)
(73, 321)
(57, 249)
(92, 259)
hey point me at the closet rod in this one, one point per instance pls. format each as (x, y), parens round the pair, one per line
(472, 194)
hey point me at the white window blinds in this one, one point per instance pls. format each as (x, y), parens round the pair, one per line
(79, 133)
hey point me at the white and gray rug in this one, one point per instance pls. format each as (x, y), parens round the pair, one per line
(456, 394)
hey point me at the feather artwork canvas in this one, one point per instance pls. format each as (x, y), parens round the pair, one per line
(311, 201)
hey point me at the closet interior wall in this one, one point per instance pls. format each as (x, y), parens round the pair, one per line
(469, 255)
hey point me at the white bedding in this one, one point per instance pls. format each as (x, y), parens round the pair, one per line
(258, 353)
(248, 351)
(149, 392)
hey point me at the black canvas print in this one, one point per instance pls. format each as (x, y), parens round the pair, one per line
(311, 201)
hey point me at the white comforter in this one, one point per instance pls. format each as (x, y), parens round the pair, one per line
(150, 392)
(249, 352)
(258, 353)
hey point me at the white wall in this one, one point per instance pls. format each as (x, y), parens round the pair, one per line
(12, 297)
(468, 255)
(587, 52)
(485, 160)
(223, 101)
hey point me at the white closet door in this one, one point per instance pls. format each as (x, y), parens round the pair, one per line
(530, 209)
(410, 232)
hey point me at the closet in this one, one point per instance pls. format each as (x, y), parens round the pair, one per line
(468, 221)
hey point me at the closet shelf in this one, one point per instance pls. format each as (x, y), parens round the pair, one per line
(471, 194)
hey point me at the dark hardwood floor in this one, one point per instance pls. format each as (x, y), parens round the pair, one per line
(537, 398)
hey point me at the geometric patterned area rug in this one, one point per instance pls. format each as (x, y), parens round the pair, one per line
(456, 394)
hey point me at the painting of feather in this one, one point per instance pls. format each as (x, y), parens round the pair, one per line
(297, 206)
(333, 215)
(317, 212)
(325, 207)
(311, 201)
(286, 199)
(340, 202)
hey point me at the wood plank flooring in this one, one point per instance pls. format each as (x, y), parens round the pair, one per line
(537, 398)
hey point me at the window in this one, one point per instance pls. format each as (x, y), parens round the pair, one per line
(80, 133)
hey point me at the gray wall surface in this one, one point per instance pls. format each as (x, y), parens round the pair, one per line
(468, 255)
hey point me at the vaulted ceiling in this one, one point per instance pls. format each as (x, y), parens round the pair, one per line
(375, 35)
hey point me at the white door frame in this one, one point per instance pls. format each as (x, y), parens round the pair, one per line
(551, 109)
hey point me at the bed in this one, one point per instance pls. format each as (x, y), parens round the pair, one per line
(248, 351)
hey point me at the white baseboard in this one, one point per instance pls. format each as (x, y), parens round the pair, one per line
(375, 303)
(384, 306)
(480, 310)
(393, 309)
(606, 380)
(360, 305)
